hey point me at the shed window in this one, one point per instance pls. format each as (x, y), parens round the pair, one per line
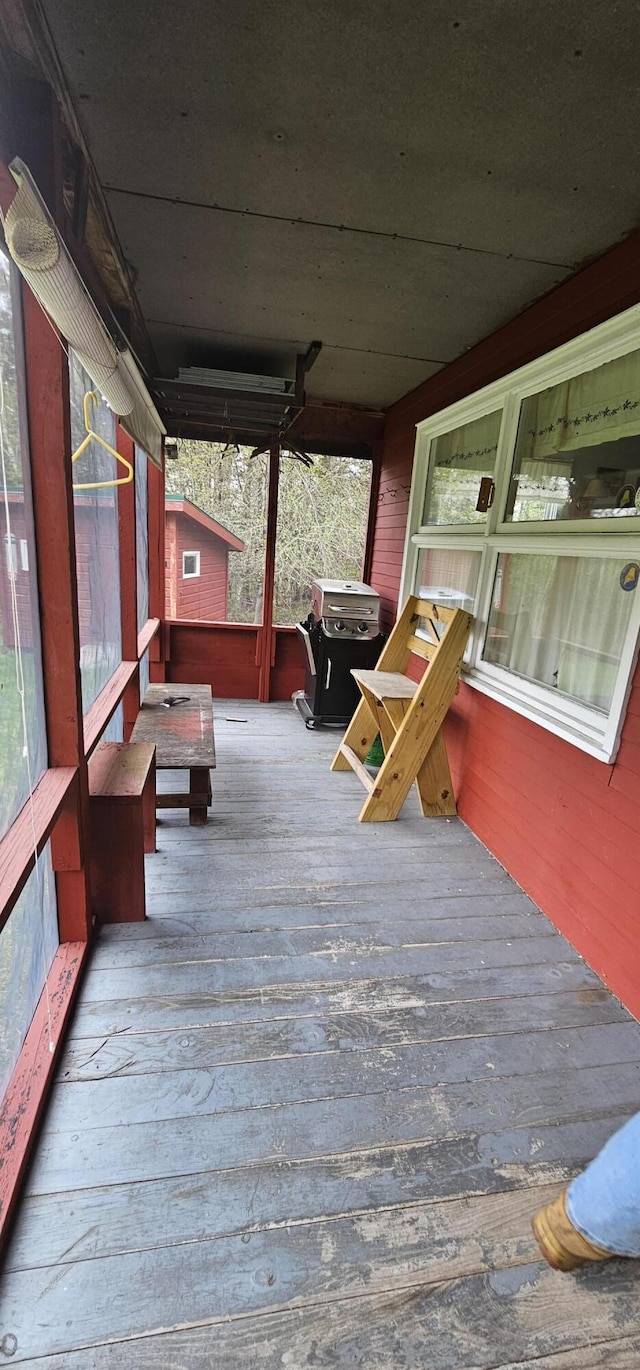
(190, 565)
(525, 505)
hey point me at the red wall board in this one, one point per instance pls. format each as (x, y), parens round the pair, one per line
(288, 672)
(222, 656)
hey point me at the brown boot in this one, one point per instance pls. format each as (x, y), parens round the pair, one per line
(563, 1247)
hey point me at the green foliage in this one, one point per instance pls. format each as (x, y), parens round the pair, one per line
(9, 388)
(322, 515)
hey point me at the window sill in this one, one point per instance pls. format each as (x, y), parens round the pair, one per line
(586, 729)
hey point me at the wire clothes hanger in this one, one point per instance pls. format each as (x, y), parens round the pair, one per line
(90, 399)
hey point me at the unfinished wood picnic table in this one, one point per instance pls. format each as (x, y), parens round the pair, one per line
(179, 720)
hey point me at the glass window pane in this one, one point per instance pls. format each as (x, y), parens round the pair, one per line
(28, 943)
(578, 448)
(97, 542)
(144, 674)
(20, 663)
(322, 527)
(561, 621)
(458, 463)
(448, 576)
(142, 536)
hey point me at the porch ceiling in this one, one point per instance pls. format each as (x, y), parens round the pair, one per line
(396, 180)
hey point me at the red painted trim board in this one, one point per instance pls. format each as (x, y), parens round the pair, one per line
(35, 822)
(104, 707)
(24, 1102)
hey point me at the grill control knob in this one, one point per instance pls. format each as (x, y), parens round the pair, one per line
(339, 625)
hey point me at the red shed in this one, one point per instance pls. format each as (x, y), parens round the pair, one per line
(197, 561)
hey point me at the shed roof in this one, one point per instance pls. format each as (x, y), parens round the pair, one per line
(177, 504)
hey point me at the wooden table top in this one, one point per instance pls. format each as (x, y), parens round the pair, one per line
(183, 733)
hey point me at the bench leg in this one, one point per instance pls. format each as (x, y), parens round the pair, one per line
(435, 787)
(359, 736)
(149, 810)
(200, 794)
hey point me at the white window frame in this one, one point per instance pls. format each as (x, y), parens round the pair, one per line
(587, 728)
(11, 554)
(191, 575)
(24, 554)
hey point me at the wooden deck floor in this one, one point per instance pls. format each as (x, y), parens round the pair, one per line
(308, 1109)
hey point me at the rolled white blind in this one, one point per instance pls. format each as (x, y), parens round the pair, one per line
(42, 258)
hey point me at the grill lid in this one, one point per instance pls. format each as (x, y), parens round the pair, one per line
(345, 599)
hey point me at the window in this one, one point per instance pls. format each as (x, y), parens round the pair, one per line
(449, 576)
(577, 451)
(142, 536)
(524, 510)
(11, 554)
(97, 541)
(30, 937)
(142, 555)
(190, 565)
(461, 470)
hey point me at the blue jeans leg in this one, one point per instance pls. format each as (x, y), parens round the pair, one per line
(603, 1203)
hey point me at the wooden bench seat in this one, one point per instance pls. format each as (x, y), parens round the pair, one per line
(122, 794)
(386, 684)
(408, 714)
(178, 719)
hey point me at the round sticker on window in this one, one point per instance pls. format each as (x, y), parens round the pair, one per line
(630, 575)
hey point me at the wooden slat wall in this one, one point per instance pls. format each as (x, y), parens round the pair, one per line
(564, 825)
(224, 657)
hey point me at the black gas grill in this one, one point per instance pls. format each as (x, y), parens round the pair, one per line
(342, 631)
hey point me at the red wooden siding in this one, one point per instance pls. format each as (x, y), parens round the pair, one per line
(224, 657)
(199, 597)
(564, 825)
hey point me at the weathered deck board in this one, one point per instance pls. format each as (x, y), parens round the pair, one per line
(136, 1053)
(198, 1141)
(203, 976)
(329, 913)
(214, 1279)
(308, 1109)
(459, 1324)
(104, 1220)
(166, 1010)
(190, 1092)
(261, 943)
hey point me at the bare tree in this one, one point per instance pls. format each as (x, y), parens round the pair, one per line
(322, 515)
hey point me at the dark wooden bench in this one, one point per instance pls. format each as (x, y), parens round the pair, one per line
(122, 793)
(178, 720)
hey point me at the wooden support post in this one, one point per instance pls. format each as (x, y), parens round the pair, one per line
(372, 512)
(266, 632)
(128, 582)
(158, 648)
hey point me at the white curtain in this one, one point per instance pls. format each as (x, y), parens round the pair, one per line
(561, 621)
(599, 406)
(472, 447)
